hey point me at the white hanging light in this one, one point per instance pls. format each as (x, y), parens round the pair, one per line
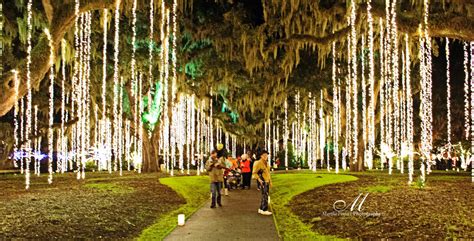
(51, 106)
(335, 109)
(448, 98)
(466, 91)
(29, 95)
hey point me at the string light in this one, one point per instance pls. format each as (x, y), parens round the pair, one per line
(395, 81)
(150, 46)
(51, 106)
(35, 148)
(104, 79)
(210, 131)
(335, 109)
(322, 137)
(286, 135)
(466, 92)
(134, 36)
(354, 83)
(409, 103)
(328, 131)
(312, 143)
(62, 137)
(364, 102)
(472, 109)
(87, 99)
(198, 136)
(426, 106)
(22, 130)
(188, 132)
(116, 81)
(15, 116)
(138, 163)
(174, 46)
(28, 96)
(371, 107)
(382, 94)
(120, 129)
(448, 98)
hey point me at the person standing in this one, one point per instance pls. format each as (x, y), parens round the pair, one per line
(261, 172)
(246, 172)
(214, 167)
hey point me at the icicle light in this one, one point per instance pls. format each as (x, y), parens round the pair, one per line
(286, 135)
(29, 95)
(51, 106)
(409, 110)
(364, 102)
(466, 92)
(335, 109)
(381, 93)
(116, 81)
(395, 80)
(371, 107)
(354, 83)
(104, 129)
(62, 136)
(15, 117)
(426, 105)
(150, 46)
(448, 98)
(472, 109)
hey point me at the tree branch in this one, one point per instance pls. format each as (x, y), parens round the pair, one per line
(63, 19)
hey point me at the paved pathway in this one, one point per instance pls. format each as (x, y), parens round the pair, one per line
(236, 220)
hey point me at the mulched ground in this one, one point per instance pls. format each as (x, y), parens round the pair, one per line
(443, 209)
(114, 207)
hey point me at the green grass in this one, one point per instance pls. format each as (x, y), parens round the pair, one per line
(378, 189)
(285, 187)
(110, 187)
(194, 189)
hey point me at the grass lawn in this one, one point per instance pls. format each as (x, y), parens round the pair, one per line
(287, 186)
(194, 189)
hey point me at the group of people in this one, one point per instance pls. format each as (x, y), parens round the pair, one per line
(223, 170)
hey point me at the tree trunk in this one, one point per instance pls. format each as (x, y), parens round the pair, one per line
(150, 157)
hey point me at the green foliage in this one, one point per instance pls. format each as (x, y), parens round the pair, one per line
(194, 189)
(285, 188)
(91, 166)
(153, 113)
(194, 68)
(420, 183)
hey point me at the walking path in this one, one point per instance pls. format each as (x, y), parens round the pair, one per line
(236, 220)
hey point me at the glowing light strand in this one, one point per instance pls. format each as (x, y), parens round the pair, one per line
(286, 134)
(354, 84)
(472, 109)
(409, 114)
(364, 102)
(116, 81)
(16, 111)
(335, 109)
(382, 94)
(63, 138)
(448, 98)
(29, 95)
(371, 107)
(466, 92)
(51, 106)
